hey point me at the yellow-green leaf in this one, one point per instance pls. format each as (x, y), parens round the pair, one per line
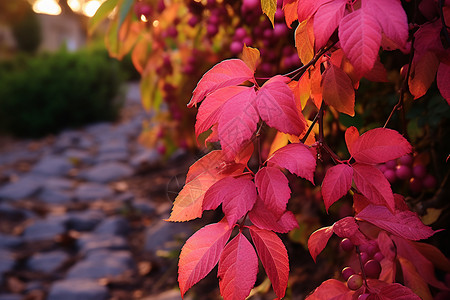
(102, 13)
(269, 7)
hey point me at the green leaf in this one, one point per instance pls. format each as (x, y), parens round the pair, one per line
(102, 13)
(269, 7)
(123, 12)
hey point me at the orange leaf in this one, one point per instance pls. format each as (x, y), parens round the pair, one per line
(201, 176)
(304, 89)
(139, 55)
(316, 86)
(290, 12)
(413, 280)
(422, 74)
(304, 40)
(338, 90)
(251, 57)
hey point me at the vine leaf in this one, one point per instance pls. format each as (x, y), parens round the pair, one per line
(360, 38)
(304, 40)
(251, 56)
(371, 182)
(297, 159)
(318, 240)
(237, 122)
(334, 287)
(443, 81)
(226, 73)
(269, 7)
(238, 267)
(200, 253)
(273, 188)
(423, 266)
(326, 20)
(237, 196)
(377, 146)
(405, 224)
(276, 106)
(201, 176)
(264, 218)
(274, 258)
(336, 183)
(423, 72)
(209, 112)
(338, 90)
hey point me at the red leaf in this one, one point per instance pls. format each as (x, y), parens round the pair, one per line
(423, 72)
(200, 254)
(226, 73)
(405, 224)
(434, 255)
(238, 267)
(326, 20)
(201, 176)
(331, 289)
(336, 183)
(390, 291)
(297, 159)
(386, 245)
(273, 188)
(351, 136)
(209, 112)
(371, 183)
(237, 122)
(263, 218)
(359, 202)
(395, 23)
(274, 258)
(348, 228)
(443, 81)
(338, 90)
(423, 266)
(307, 8)
(276, 106)
(378, 72)
(318, 240)
(360, 38)
(379, 145)
(237, 196)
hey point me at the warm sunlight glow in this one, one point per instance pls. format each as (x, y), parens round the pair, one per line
(49, 7)
(155, 23)
(91, 7)
(75, 5)
(144, 18)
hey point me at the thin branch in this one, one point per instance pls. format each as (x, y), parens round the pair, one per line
(305, 137)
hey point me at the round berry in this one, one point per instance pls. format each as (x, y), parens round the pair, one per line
(364, 257)
(280, 30)
(419, 171)
(378, 256)
(429, 182)
(193, 21)
(415, 185)
(391, 164)
(404, 70)
(347, 272)
(372, 268)
(406, 160)
(212, 29)
(236, 47)
(390, 175)
(162, 149)
(403, 172)
(240, 34)
(372, 249)
(354, 282)
(347, 245)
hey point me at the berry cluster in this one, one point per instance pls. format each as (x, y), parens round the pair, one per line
(406, 168)
(370, 258)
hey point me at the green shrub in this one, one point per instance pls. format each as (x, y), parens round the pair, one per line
(50, 92)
